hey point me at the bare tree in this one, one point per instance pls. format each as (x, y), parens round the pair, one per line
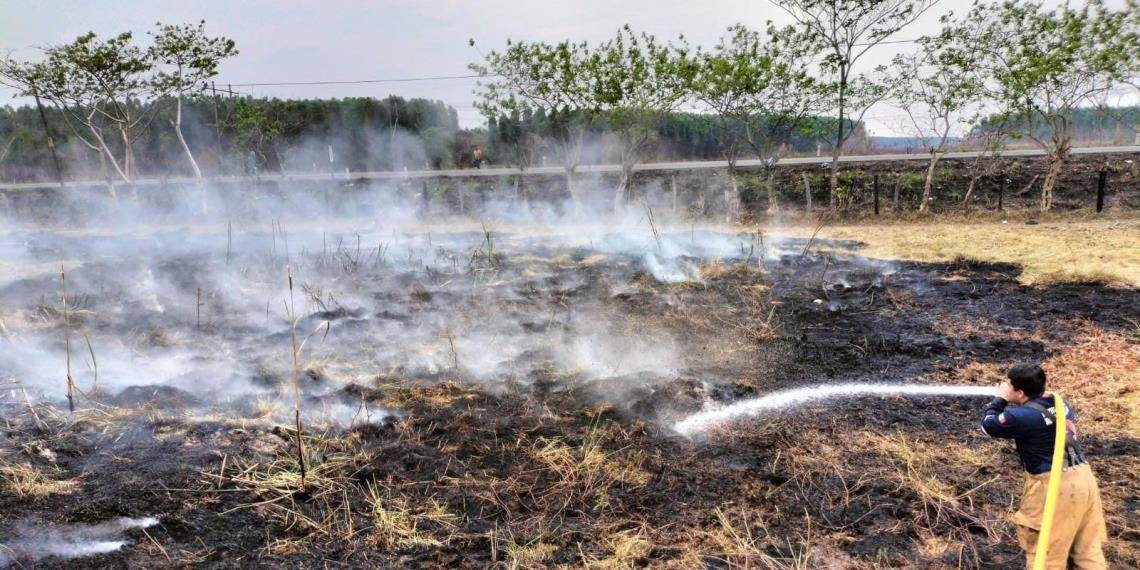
(940, 93)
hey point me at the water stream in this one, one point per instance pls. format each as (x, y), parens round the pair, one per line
(778, 400)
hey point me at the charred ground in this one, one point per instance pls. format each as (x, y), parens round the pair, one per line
(537, 462)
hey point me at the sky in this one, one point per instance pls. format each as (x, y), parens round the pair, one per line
(346, 40)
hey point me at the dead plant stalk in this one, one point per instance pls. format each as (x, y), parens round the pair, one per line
(67, 341)
(296, 377)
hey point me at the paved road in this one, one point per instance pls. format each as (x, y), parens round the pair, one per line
(557, 170)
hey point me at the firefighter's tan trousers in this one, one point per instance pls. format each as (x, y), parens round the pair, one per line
(1078, 524)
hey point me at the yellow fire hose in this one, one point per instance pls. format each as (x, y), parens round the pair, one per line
(1054, 486)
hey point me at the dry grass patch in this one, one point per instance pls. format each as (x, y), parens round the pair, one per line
(397, 525)
(1103, 370)
(1059, 249)
(402, 396)
(744, 541)
(626, 548)
(26, 482)
(921, 469)
(520, 554)
(587, 471)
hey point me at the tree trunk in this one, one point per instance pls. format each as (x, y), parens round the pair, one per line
(107, 177)
(807, 194)
(838, 142)
(105, 155)
(673, 187)
(898, 185)
(969, 193)
(773, 203)
(834, 182)
(928, 186)
(570, 189)
(129, 163)
(1056, 161)
(731, 199)
(974, 176)
(182, 139)
(622, 187)
(189, 155)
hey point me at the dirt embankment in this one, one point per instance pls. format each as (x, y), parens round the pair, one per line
(1007, 183)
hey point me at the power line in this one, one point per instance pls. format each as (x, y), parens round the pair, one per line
(911, 41)
(360, 81)
(440, 77)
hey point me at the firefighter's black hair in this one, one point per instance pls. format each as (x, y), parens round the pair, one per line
(1028, 378)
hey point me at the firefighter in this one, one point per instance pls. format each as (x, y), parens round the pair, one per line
(1023, 412)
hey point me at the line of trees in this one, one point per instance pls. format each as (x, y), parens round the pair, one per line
(229, 135)
(1003, 70)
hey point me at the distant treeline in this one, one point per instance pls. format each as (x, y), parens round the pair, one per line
(524, 137)
(1117, 125)
(240, 135)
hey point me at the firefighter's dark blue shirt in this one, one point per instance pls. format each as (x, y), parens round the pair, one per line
(1029, 430)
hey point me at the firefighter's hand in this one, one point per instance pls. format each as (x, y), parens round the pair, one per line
(1005, 391)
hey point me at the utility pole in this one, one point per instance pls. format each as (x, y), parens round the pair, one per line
(50, 141)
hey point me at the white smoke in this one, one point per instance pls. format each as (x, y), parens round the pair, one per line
(166, 295)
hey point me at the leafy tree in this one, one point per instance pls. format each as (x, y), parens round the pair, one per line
(628, 82)
(96, 83)
(513, 136)
(848, 29)
(554, 78)
(186, 59)
(634, 81)
(760, 88)
(253, 131)
(1043, 64)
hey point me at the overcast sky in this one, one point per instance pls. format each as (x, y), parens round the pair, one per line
(337, 40)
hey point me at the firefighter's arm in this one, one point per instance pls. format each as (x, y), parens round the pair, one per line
(997, 423)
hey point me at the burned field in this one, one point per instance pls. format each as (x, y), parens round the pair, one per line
(506, 394)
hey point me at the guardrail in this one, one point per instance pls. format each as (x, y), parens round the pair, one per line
(549, 170)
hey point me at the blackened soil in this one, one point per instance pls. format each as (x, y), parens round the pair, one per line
(820, 493)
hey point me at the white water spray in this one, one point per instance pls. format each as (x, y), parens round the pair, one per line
(703, 420)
